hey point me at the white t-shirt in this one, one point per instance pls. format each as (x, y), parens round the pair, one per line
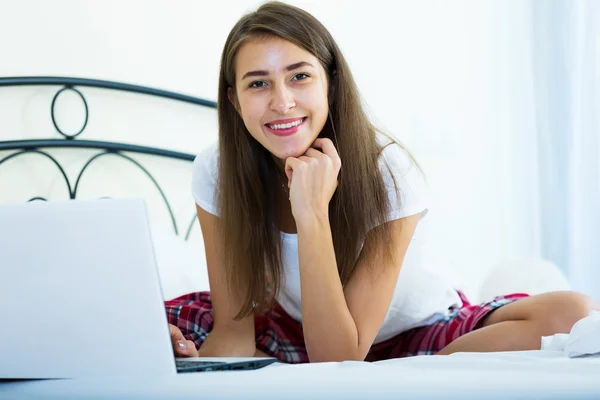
(421, 296)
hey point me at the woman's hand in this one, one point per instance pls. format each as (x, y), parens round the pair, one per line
(181, 346)
(215, 345)
(312, 179)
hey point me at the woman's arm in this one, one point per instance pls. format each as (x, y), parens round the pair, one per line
(228, 337)
(341, 324)
(338, 324)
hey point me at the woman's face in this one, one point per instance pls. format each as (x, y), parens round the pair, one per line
(281, 94)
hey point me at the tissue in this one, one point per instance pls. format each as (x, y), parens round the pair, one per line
(556, 342)
(584, 339)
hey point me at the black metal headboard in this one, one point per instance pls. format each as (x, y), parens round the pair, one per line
(39, 146)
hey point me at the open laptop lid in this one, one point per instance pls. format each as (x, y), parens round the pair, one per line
(79, 291)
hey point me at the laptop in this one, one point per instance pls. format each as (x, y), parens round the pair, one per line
(80, 295)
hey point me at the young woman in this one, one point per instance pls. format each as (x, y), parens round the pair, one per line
(312, 222)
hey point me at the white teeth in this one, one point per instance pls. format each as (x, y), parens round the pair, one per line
(286, 126)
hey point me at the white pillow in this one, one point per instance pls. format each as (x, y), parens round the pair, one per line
(181, 265)
(531, 276)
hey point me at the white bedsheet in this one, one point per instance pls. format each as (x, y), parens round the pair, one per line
(529, 375)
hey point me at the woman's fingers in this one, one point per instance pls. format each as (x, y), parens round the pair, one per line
(312, 155)
(307, 159)
(291, 163)
(186, 348)
(175, 333)
(181, 346)
(312, 152)
(326, 145)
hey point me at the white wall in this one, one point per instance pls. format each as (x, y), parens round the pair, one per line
(450, 79)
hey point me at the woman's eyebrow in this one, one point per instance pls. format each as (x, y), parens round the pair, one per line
(290, 67)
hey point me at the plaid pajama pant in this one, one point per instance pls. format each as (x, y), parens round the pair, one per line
(279, 335)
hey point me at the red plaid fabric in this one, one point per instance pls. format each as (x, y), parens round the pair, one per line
(280, 336)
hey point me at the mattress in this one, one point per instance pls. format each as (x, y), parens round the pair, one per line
(528, 375)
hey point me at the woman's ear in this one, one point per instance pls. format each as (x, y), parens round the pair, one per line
(233, 99)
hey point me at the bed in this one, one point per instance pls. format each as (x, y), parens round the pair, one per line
(80, 150)
(70, 152)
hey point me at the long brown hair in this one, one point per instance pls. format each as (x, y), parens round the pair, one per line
(247, 202)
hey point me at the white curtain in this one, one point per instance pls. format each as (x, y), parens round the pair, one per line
(584, 166)
(566, 80)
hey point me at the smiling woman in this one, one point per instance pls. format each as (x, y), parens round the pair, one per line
(282, 98)
(327, 267)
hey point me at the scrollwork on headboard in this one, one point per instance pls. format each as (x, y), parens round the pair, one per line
(72, 141)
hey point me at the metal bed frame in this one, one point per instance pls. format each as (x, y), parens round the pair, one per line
(72, 141)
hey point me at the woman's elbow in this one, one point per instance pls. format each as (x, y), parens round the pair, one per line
(340, 356)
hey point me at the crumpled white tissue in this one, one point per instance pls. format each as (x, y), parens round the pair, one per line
(583, 340)
(556, 342)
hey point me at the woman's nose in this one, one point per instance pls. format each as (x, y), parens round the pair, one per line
(282, 100)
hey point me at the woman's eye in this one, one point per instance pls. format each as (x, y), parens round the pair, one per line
(299, 77)
(258, 84)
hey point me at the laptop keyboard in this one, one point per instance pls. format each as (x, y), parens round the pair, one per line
(185, 365)
(197, 363)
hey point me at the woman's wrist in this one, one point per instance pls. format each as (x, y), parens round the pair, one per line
(309, 222)
(224, 344)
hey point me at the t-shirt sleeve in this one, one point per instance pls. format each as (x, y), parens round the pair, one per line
(204, 179)
(412, 196)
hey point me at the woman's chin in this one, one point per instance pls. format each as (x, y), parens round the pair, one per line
(291, 146)
(295, 152)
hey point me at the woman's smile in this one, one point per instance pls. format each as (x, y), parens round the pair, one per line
(285, 127)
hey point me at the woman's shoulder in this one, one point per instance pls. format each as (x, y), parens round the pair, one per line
(396, 160)
(204, 177)
(207, 160)
(403, 178)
